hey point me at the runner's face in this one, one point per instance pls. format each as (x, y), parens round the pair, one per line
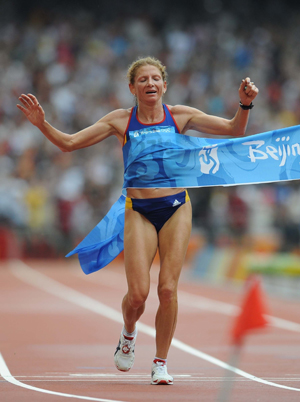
(148, 84)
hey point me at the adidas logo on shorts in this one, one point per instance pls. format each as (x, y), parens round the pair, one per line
(175, 203)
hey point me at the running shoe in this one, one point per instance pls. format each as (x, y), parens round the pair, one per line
(159, 374)
(124, 354)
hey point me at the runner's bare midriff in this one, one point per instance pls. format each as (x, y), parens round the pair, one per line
(152, 192)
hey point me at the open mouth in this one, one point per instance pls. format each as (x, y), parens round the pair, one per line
(151, 92)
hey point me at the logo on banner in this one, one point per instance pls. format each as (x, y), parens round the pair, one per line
(258, 150)
(209, 161)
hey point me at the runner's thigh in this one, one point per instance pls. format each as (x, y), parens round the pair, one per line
(140, 246)
(173, 242)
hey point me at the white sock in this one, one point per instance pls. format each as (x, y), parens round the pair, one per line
(128, 334)
(159, 359)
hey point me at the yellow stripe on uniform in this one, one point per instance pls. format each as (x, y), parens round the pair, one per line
(187, 197)
(128, 203)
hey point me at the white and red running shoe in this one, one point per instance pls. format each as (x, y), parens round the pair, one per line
(124, 354)
(159, 373)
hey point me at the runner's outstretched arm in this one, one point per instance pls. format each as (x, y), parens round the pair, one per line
(202, 122)
(66, 142)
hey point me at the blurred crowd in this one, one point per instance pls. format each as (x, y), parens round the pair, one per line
(77, 67)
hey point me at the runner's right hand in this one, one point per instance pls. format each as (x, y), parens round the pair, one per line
(32, 109)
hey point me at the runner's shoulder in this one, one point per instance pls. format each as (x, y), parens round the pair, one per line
(181, 110)
(117, 114)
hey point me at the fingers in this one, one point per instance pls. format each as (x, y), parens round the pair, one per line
(25, 99)
(249, 86)
(32, 109)
(23, 109)
(248, 89)
(28, 101)
(251, 90)
(244, 83)
(33, 99)
(253, 93)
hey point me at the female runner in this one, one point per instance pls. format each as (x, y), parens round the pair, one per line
(155, 218)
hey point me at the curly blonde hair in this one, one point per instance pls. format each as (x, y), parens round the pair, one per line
(144, 61)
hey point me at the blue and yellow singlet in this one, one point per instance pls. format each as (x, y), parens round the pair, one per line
(134, 125)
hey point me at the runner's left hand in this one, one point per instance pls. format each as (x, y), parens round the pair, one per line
(247, 91)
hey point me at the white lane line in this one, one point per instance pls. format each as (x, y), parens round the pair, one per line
(142, 381)
(114, 279)
(5, 373)
(92, 375)
(283, 324)
(139, 377)
(49, 285)
(103, 375)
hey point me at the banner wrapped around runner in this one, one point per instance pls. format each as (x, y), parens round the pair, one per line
(157, 157)
(162, 159)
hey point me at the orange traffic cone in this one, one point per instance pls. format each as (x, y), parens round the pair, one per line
(253, 312)
(252, 316)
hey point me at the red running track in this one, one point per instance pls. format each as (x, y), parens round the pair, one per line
(60, 328)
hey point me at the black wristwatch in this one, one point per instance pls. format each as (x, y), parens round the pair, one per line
(246, 107)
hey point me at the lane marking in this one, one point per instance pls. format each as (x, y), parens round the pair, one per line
(113, 280)
(122, 376)
(143, 381)
(5, 373)
(138, 377)
(49, 285)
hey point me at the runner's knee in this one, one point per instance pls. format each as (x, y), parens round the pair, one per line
(167, 293)
(137, 299)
